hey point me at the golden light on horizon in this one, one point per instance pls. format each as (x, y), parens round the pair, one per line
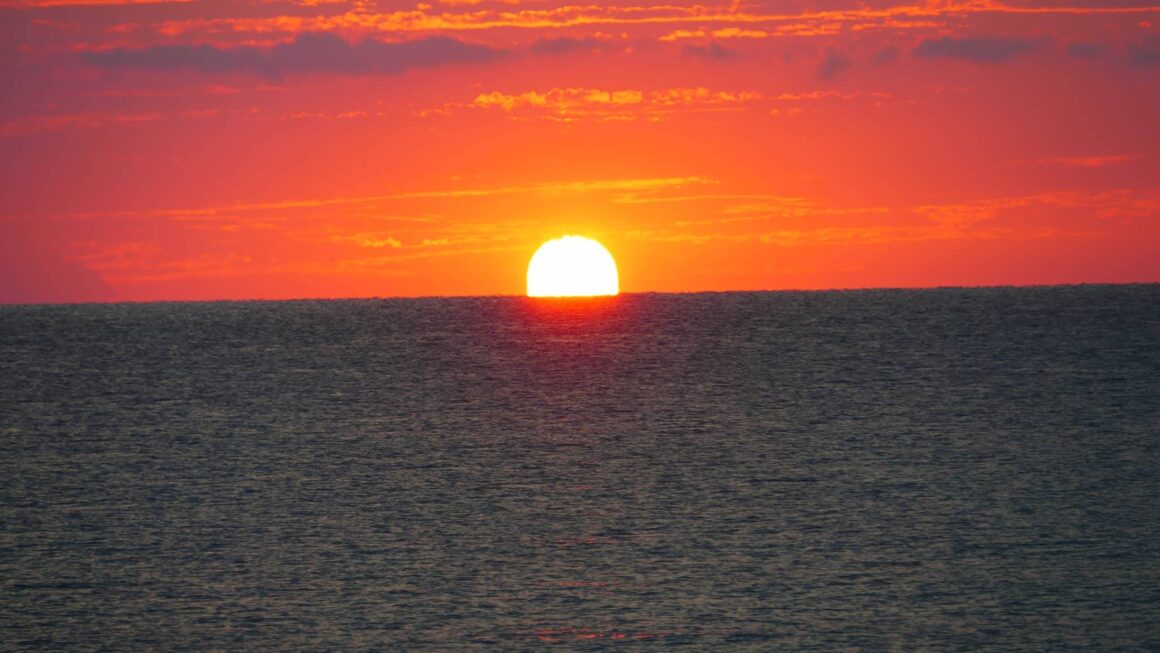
(572, 266)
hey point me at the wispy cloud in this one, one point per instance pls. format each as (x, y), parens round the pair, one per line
(1084, 50)
(827, 22)
(649, 184)
(563, 45)
(310, 52)
(393, 261)
(1101, 204)
(796, 221)
(979, 50)
(142, 261)
(620, 104)
(710, 51)
(1146, 53)
(885, 56)
(1088, 161)
(59, 122)
(722, 33)
(369, 202)
(51, 123)
(763, 208)
(835, 63)
(811, 236)
(32, 4)
(814, 96)
(368, 240)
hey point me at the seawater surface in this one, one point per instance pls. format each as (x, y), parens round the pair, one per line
(945, 470)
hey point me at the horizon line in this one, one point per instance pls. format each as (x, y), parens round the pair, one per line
(114, 302)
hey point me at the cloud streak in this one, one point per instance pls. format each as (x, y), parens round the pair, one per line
(1089, 161)
(1085, 50)
(826, 22)
(563, 45)
(978, 50)
(36, 4)
(624, 185)
(373, 241)
(1146, 53)
(710, 51)
(834, 64)
(308, 53)
(625, 104)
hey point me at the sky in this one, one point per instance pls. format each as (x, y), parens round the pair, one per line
(276, 149)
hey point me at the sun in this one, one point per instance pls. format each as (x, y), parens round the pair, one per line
(572, 266)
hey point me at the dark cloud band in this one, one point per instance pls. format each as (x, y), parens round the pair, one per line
(834, 64)
(309, 53)
(979, 50)
(709, 51)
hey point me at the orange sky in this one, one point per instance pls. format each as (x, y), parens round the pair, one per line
(229, 150)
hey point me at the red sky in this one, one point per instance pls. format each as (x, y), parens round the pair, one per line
(273, 149)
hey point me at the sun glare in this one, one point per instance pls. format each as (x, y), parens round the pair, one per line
(572, 266)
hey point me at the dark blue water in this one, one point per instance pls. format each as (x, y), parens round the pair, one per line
(947, 470)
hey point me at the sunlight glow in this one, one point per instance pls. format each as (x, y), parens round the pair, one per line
(572, 266)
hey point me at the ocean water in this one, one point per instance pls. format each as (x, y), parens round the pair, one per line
(943, 470)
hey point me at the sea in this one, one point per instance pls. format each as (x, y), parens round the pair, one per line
(876, 470)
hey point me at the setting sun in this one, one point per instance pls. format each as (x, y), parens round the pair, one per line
(572, 266)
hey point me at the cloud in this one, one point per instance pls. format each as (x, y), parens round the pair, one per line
(51, 123)
(369, 240)
(203, 58)
(618, 186)
(626, 104)
(886, 56)
(747, 22)
(558, 99)
(325, 208)
(1146, 53)
(34, 269)
(987, 218)
(978, 50)
(1130, 202)
(723, 33)
(833, 65)
(1087, 50)
(308, 53)
(709, 51)
(831, 95)
(1089, 161)
(739, 33)
(30, 4)
(562, 45)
